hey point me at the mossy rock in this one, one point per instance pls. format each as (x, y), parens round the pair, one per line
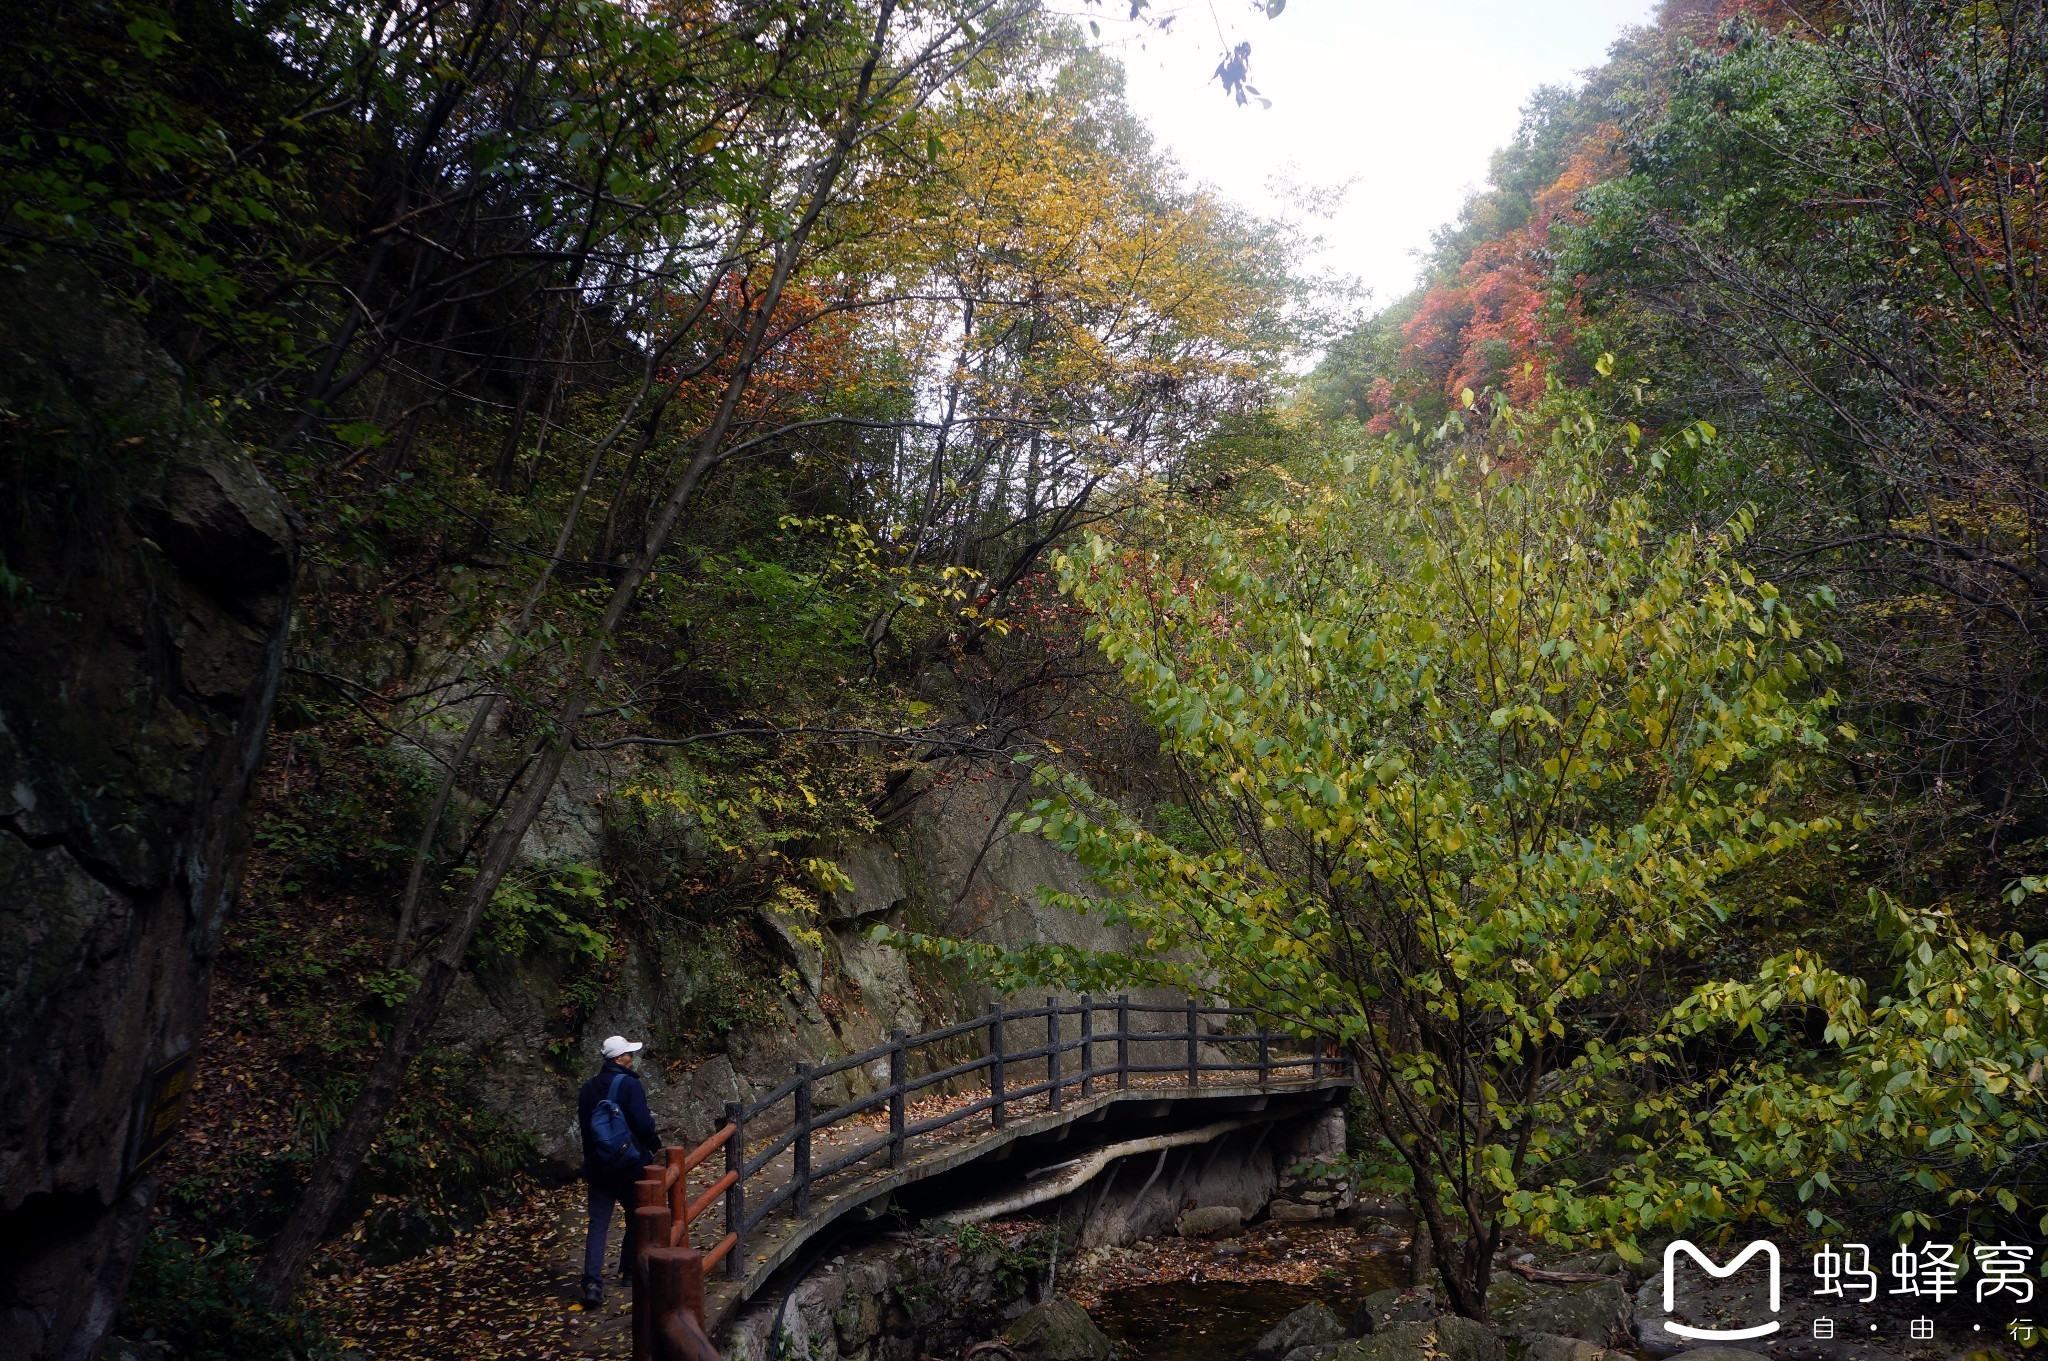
(1590, 1312)
(1058, 1330)
(1309, 1326)
(1449, 1338)
(1383, 1308)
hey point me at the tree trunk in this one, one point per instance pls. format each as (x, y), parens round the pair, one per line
(1421, 1255)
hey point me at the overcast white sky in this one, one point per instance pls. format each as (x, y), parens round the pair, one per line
(1410, 97)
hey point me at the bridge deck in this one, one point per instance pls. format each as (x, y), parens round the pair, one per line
(774, 1241)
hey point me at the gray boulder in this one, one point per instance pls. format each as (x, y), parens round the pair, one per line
(1449, 1338)
(1309, 1326)
(1212, 1221)
(1551, 1347)
(1650, 1334)
(1590, 1312)
(1320, 1351)
(1720, 1354)
(1461, 1339)
(1058, 1330)
(1710, 1302)
(1606, 1261)
(1385, 1307)
(1507, 1290)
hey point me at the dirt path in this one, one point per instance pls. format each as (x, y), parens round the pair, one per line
(503, 1291)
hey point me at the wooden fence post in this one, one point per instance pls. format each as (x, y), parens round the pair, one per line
(896, 1094)
(1194, 1052)
(1265, 1056)
(1123, 1041)
(678, 1195)
(1087, 1047)
(736, 1194)
(669, 1273)
(689, 1283)
(800, 1151)
(649, 1227)
(995, 1067)
(1052, 1052)
(675, 1278)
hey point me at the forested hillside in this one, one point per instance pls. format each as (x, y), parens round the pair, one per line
(519, 519)
(1784, 259)
(1817, 227)
(674, 407)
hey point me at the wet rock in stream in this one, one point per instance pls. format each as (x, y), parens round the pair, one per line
(1058, 1330)
(1308, 1326)
(1383, 1308)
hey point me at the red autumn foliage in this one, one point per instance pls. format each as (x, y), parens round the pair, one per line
(1494, 326)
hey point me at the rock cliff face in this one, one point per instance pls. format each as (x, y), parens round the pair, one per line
(952, 867)
(146, 575)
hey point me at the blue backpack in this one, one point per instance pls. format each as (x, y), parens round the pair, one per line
(612, 1146)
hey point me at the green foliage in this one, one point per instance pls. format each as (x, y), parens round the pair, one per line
(1937, 1083)
(1556, 120)
(562, 904)
(1491, 747)
(445, 1148)
(1183, 827)
(734, 982)
(1821, 229)
(1825, 236)
(1018, 1267)
(353, 811)
(195, 1297)
(301, 973)
(761, 813)
(118, 145)
(783, 611)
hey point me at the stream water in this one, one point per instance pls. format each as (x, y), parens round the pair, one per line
(1221, 1320)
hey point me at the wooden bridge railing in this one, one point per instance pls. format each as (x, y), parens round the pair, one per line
(668, 1297)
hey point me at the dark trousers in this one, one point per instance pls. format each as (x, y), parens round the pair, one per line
(606, 1192)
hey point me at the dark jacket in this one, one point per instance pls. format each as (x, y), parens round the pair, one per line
(632, 1099)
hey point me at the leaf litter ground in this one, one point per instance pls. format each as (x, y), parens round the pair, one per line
(503, 1291)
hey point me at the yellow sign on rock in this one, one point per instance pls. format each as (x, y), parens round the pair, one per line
(163, 1101)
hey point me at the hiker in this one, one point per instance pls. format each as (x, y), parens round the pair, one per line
(619, 1139)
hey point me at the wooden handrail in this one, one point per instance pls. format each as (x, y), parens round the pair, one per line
(705, 1149)
(669, 1273)
(719, 1249)
(711, 1193)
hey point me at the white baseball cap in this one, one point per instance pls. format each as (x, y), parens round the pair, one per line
(619, 1044)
